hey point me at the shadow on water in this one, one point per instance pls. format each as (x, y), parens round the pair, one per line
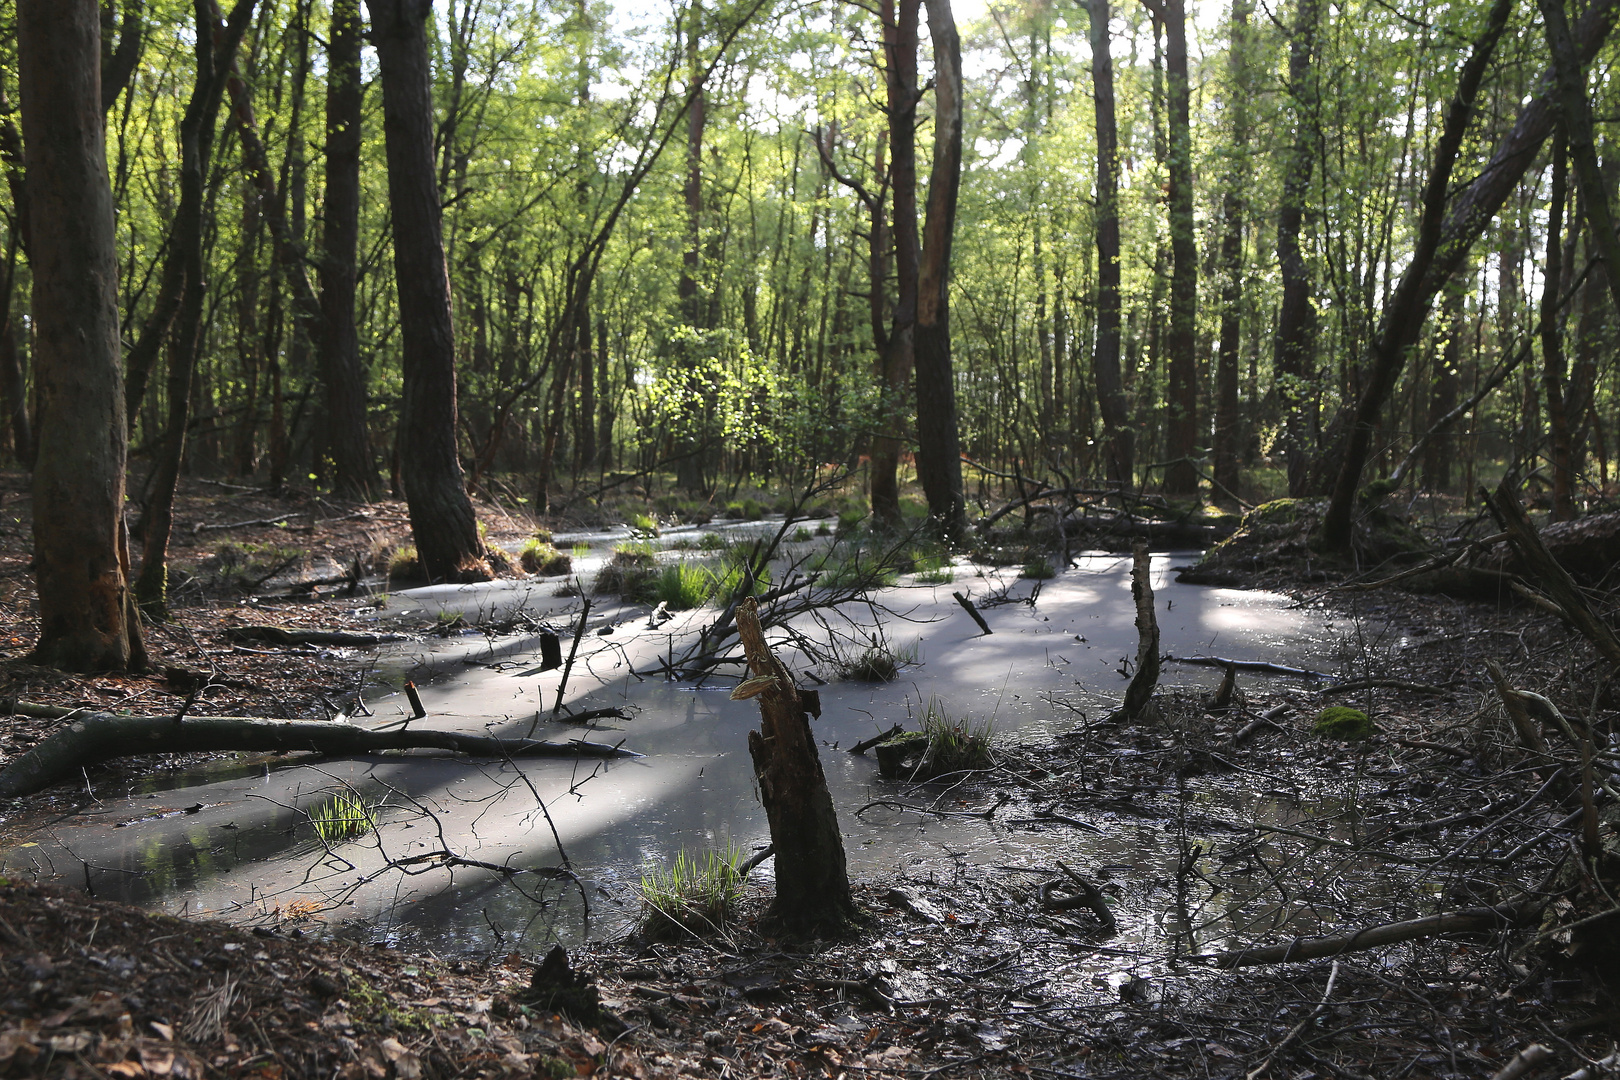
(238, 840)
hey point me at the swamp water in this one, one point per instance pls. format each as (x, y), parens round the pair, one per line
(274, 839)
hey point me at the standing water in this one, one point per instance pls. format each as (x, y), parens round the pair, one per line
(421, 849)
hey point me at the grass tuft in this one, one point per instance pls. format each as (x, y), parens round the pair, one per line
(683, 586)
(343, 817)
(539, 557)
(695, 897)
(1040, 568)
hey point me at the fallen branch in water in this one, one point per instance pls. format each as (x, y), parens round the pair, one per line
(866, 744)
(278, 635)
(988, 812)
(97, 737)
(1471, 920)
(1249, 665)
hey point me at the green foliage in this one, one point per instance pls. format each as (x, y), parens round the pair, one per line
(683, 586)
(344, 816)
(1343, 723)
(1040, 568)
(944, 745)
(695, 897)
(800, 535)
(404, 563)
(713, 542)
(539, 557)
(876, 661)
(643, 523)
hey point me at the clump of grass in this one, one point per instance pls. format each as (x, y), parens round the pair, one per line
(343, 817)
(850, 520)
(855, 573)
(1040, 568)
(713, 542)
(933, 568)
(404, 562)
(800, 535)
(743, 509)
(629, 573)
(697, 896)
(498, 560)
(877, 661)
(954, 744)
(539, 557)
(683, 586)
(732, 582)
(643, 523)
(683, 543)
(543, 535)
(635, 549)
(580, 549)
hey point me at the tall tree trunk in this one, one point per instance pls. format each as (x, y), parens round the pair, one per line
(607, 400)
(1440, 248)
(1228, 418)
(87, 621)
(13, 379)
(1105, 361)
(939, 446)
(1552, 336)
(1296, 317)
(691, 288)
(1181, 474)
(348, 438)
(215, 49)
(897, 362)
(442, 519)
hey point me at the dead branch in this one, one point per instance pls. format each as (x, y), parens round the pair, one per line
(1471, 920)
(97, 737)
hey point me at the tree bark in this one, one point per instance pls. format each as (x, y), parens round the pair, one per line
(1105, 361)
(1228, 421)
(1552, 336)
(1437, 254)
(897, 360)
(812, 880)
(442, 520)
(85, 613)
(348, 439)
(1294, 343)
(13, 380)
(215, 50)
(939, 446)
(92, 738)
(1181, 472)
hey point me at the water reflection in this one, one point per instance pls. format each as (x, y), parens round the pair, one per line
(237, 840)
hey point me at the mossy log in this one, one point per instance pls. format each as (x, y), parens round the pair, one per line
(812, 878)
(92, 738)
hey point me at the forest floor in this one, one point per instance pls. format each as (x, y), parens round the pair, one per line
(956, 972)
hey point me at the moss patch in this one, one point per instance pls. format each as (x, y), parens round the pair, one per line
(1343, 723)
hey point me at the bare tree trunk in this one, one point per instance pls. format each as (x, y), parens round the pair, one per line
(1228, 420)
(1105, 361)
(215, 51)
(442, 519)
(1440, 248)
(690, 288)
(812, 879)
(897, 362)
(1181, 474)
(348, 438)
(939, 446)
(13, 380)
(1552, 335)
(1296, 318)
(86, 617)
(1444, 385)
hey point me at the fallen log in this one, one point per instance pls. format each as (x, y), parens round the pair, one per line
(98, 737)
(1249, 665)
(1471, 920)
(278, 635)
(1554, 579)
(866, 744)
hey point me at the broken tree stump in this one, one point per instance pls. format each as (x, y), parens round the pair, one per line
(1139, 696)
(812, 879)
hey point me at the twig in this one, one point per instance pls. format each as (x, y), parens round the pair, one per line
(967, 605)
(1333, 977)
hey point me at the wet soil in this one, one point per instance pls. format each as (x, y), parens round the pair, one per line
(957, 969)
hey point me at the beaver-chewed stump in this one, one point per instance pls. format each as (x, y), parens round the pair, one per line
(812, 881)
